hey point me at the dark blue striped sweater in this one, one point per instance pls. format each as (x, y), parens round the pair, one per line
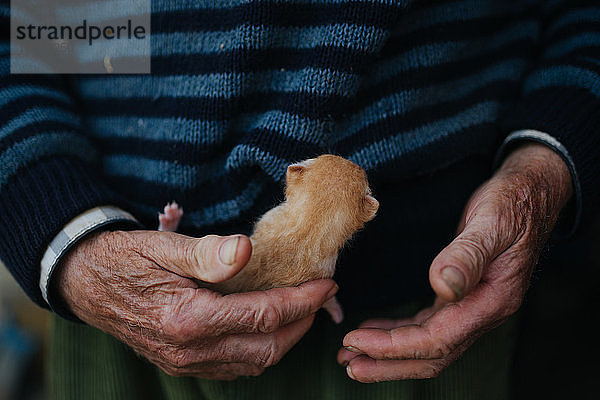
(241, 88)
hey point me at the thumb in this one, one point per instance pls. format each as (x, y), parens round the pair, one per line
(458, 268)
(211, 258)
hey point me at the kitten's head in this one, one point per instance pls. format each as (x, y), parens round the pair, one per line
(334, 187)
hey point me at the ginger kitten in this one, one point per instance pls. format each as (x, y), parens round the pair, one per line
(327, 199)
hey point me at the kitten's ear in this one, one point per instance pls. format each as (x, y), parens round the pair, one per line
(294, 172)
(296, 169)
(371, 205)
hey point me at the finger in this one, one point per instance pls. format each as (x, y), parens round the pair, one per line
(389, 323)
(367, 370)
(448, 330)
(349, 352)
(346, 354)
(210, 258)
(382, 323)
(266, 311)
(259, 350)
(201, 314)
(334, 309)
(459, 267)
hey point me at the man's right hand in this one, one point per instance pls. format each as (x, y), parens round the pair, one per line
(138, 287)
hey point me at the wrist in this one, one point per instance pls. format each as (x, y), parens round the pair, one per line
(75, 231)
(68, 268)
(542, 176)
(81, 268)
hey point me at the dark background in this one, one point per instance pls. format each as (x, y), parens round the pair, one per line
(557, 352)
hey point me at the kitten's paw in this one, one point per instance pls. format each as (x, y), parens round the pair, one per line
(169, 220)
(334, 309)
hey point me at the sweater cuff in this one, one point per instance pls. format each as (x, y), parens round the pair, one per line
(531, 135)
(72, 233)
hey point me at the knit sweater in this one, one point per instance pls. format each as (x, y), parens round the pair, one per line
(240, 89)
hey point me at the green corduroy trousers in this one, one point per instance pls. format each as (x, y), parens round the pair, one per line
(85, 363)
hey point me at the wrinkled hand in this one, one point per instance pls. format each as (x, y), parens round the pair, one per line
(136, 286)
(480, 278)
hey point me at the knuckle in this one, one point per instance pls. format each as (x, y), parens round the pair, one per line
(266, 319)
(442, 350)
(194, 254)
(258, 316)
(178, 359)
(269, 356)
(175, 324)
(174, 330)
(202, 255)
(168, 327)
(473, 248)
(432, 369)
(436, 347)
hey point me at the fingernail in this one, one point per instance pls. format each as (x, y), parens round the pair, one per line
(228, 250)
(349, 372)
(454, 279)
(352, 349)
(332, 291)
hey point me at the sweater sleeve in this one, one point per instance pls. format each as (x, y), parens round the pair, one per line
(46, 166)
(561, 94)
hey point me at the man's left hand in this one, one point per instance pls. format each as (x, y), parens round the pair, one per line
(480, 278)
